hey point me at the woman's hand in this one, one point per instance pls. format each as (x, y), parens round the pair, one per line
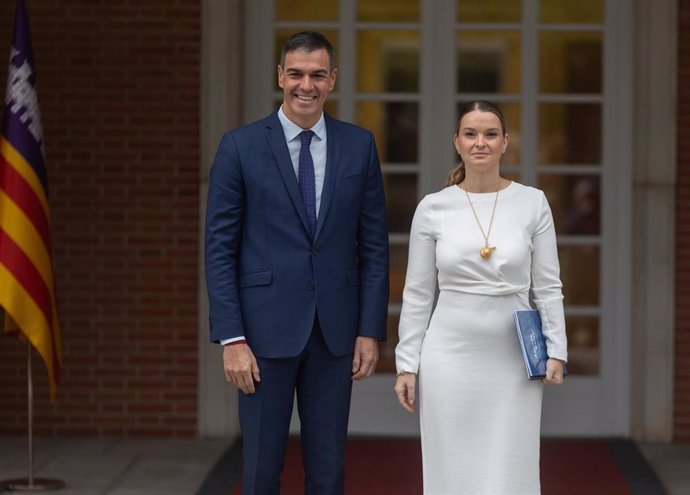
(554, 372)
(404, 390)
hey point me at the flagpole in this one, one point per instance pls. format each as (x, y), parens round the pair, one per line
(30, 411)
(31, 484)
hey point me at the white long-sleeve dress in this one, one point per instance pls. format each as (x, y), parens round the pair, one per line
(480, 415)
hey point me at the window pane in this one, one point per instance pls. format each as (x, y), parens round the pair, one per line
(575, 202)
(401, 200)
(488, 62)
(569, 133)
(582, 11)
(386, 362)
(489, 11)
(511, 113)
(388, 61)
(388, 11)
(397, 271)
(583, 345)
(307, 10)
(395, 127)
(570, 62)
(580, 274)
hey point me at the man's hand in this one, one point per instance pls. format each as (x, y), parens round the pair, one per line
(366, 357)
(240, 367)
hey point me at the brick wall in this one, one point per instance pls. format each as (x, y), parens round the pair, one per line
(118, 84)
(682, 357)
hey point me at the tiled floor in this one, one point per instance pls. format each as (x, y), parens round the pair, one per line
(115, 466)
(672, 465)
(178, 467)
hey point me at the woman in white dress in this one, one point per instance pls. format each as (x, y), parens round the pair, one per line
(487, 241)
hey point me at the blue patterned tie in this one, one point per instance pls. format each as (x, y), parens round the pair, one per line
(305, 177)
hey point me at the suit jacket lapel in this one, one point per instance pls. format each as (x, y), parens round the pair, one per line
(332, 163)
(276, 140)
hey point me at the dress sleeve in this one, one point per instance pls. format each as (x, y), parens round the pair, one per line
(546, 283)
(420, 288)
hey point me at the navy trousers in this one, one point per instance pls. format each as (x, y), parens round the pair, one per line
(323, 385)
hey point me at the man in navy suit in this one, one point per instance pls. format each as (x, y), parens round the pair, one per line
(297, 271)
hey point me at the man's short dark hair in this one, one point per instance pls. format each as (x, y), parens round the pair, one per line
(308, 41)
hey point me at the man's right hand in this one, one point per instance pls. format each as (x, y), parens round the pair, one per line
(240, 367)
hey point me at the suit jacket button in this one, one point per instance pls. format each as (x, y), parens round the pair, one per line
(315, 252)
(310, 287)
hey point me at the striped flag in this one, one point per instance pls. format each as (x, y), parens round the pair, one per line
(27, 287)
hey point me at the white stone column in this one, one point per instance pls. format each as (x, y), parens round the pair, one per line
(222, 66)
(654, 183)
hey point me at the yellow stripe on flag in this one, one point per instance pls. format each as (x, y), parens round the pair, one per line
(29, 317)
(20, 229)
(17, 161)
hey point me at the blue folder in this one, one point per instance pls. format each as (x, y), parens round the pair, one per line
(532, 343)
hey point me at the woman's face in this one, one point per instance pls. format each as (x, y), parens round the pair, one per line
(480, 141)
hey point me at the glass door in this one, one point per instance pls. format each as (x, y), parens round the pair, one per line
(405, 66)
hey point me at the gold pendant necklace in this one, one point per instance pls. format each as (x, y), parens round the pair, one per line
(486, 251)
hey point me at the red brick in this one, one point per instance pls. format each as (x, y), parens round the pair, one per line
(119, 92)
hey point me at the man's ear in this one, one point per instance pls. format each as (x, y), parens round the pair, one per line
(334, 75)
(280, 76)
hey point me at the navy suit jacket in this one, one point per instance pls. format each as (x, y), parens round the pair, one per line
(267, 276)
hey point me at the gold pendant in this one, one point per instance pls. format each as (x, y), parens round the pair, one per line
(486, 251)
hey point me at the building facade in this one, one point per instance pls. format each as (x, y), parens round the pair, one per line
(135, 97)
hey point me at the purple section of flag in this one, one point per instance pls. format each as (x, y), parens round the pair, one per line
(20, 118)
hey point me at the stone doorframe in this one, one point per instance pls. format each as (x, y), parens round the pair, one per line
(222, 69)
(655, 72)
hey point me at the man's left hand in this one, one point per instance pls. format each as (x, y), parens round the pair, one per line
(366, 357)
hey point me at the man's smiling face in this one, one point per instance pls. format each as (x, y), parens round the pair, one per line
(306, 79)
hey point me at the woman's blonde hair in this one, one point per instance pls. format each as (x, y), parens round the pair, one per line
(457, 174)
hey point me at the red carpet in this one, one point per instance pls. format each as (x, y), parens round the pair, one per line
(382, 466)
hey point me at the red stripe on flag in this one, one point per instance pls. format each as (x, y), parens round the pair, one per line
(26, 273)
(21, 193)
